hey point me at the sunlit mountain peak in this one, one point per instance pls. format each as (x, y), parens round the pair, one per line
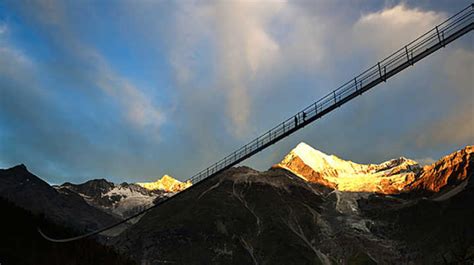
(390, 177)
(166, 183)
(315, 166)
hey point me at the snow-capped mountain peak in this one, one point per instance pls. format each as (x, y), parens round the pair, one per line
(390, 177)
(315, 166)
(320, 161)
(166, 183)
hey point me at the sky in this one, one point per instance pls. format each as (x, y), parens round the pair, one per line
(133, 90)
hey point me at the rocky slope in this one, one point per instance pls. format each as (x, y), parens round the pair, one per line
(122, 200)
(243, 216)
(27, 191)
(448, 172)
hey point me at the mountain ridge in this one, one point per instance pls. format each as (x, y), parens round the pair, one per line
(30, 192)
(238, 215)
(400, 175)
(124, 199)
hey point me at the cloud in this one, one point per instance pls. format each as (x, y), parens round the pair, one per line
(25, 109)
(436, 112)
(424, 111)
(425, 161)
(456, 124)
(140, 110)
(243, 47)
(387, 30)
(89, 66)
(283, 55)
(72, 114)
(59, 139)
(248, 44)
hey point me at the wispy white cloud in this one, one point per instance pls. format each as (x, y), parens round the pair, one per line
(387, 30)
(425, 161)
(237, 30)
(138, 108)
(247, 47)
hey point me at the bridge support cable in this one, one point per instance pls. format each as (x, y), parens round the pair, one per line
(453, 28)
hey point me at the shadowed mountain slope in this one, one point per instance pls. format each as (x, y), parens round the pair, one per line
(28, 191)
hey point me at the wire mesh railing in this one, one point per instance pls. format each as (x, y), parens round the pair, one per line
(437, 37)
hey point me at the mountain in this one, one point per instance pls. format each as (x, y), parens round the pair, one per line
(125, 199)
(311, 208)
(166, 183)
(87, 206)
(396, 176)
(122, 200)
(448, 172)
(243, 216)
(27, 191)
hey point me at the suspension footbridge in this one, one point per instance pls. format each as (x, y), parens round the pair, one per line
(438, 37)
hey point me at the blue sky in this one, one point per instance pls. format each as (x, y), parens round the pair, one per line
(132, 90)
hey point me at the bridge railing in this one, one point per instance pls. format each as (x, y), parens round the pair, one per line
(380, 72)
